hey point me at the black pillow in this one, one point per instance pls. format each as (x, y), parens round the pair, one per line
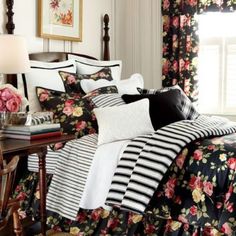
(165, 108)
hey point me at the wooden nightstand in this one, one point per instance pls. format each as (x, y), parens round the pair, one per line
(12, 147)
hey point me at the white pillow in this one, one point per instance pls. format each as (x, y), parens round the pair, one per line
(127, 86)
(44, 74)
(123, 122)
(89, 66)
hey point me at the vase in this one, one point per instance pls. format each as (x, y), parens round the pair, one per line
(4, 116)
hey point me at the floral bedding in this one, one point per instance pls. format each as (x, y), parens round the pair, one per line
(197, 196)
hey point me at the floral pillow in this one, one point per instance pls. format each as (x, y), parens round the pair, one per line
(73, 112)
(72, 81)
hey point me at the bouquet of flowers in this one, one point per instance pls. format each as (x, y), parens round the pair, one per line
(11, 100)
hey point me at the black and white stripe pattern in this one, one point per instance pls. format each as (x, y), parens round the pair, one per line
(51, 161)
(139, 173)
(70, 176)
(40, 119)
(108, 100)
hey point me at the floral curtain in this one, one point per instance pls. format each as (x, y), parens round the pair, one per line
(180, 40)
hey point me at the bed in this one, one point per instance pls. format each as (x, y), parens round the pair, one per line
(131, 178)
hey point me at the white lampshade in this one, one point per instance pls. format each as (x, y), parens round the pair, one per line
(14, 57)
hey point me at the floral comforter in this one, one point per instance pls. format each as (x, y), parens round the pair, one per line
(197, 196)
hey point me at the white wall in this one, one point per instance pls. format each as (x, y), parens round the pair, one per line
(138, 38)
(25, 19)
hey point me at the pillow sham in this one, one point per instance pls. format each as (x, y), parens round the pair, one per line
(186, 105)
(123, 122)
(107, 100)
(72, 81)
(89, 66)
(165, 108)
(44, 74)
(99, 91)
(73, 112)
(128, 86)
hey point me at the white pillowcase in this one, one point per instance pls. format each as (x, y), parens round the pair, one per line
(44, 74)
(127, 86)
(123, 122)
(89, 66)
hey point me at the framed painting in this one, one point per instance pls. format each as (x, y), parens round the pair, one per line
(60, 19)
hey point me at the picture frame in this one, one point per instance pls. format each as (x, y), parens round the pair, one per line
(60, 19)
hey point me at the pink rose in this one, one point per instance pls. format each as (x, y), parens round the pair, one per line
(195, 182)
(197, 155)
(230, 207)
(58, 146)
(43, 97)
(232, 163)
(226, 229)
(211, 147)
(182, 219)
(219, 205)
(113, 223)
(193, 210)
(13, 105)
(180, 161)
(69, 102)
(170, 185)
(192, 3)
(68, 111)
(70, 79)
(208, 188)
(81, 217)
(96, 214)
(166, 4)
(6, 94)
(175, 21)
(2, 106)
(81, 125)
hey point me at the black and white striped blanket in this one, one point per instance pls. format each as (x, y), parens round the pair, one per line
(142, 166)
(70, 176)
(146, 160)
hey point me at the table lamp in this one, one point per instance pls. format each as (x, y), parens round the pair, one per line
(14, 58)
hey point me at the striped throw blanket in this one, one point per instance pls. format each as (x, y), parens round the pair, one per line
(70, 176)
(146, 160)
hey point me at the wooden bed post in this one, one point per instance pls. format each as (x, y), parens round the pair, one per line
(106, 38)
(10, 26)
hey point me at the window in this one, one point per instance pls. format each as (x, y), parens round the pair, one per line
(217, 63)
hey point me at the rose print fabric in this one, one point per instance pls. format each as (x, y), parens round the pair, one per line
(180, 40)
(73, 112)
(197, 196)
(72, 81)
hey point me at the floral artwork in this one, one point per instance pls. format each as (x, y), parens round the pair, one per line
(61, 12)
(60, 19)
(10, 99)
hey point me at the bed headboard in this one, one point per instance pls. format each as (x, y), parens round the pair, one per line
(54, 56)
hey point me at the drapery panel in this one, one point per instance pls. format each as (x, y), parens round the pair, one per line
(181, 42)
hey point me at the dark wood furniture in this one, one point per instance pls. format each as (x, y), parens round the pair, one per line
(22, 148)
(8, 206)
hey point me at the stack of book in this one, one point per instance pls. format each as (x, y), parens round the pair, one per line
(32, 132)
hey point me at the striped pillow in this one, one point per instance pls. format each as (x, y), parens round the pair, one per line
(187, 107)
(108, 100)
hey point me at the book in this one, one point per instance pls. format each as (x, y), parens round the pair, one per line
(32, 132)
(32, 129)
(33, 137)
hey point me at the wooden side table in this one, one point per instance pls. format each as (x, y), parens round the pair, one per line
(12, 147)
